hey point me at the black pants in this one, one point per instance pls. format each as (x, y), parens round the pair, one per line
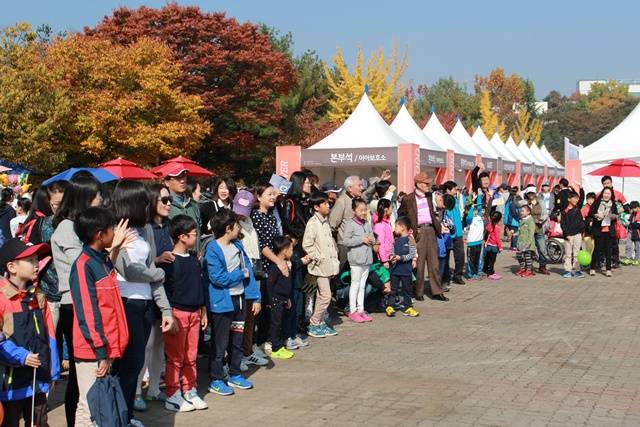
(262, 322)
(21, 409)
(278, 308)
(473, 259)
(400, 292)
(292, 318)
(458, 258)
(71, 394)
(490, 256)
(228, 331)
(604, 244)
(140, 317)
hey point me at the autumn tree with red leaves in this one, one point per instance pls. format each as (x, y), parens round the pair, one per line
(233, 68)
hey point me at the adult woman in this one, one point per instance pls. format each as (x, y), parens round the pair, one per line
(295, 211)
(81, 193)
(194, 188)
(266, 226)
(160, 207)
(220, 195)
(7, 213)
(141, 283)
(604, 215)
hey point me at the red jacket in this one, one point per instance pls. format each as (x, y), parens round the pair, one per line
(99, 326)
(494, 238)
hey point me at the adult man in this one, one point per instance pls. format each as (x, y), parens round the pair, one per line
(480, 182)
(451, 188)
(546, 198)
(607, 181)
(181, 202)
(342, 210)
(425, 224)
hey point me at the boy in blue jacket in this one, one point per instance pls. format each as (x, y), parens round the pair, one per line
(232, 287)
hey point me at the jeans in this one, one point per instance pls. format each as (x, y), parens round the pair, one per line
(278, 308)
(140, 317)
(458, 257)
(401, 289)
(227, 333)
(473, 259)
(291, 320)
(490, 256)
(262, 321)
(541, 247)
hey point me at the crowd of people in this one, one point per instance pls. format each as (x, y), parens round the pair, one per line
(133, 281)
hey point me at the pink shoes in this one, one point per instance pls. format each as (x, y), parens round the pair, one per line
(355, 317)
(495, 276)
(359, 317)
(365, 316)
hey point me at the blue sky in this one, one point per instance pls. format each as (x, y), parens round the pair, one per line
(554, 43)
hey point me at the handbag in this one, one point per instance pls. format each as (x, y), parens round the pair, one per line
(258, 269)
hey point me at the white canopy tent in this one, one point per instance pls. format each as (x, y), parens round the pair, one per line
(526, 151)
(434, 130)
(623, 142)
(537, 155)
(514, 150)
(482, 141)
(364, 128)
(404, 125)
(547, 155)
(499, 146)
(460, 135)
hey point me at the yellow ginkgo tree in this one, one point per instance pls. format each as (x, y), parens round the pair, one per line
(526, 128)
(381, 75)
(489, 119)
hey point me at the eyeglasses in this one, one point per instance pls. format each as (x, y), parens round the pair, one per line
(166, 200)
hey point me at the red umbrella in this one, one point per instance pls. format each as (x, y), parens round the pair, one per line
(623, 168)
(124, 169)
(177, 165)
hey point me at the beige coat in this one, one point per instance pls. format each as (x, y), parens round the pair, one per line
(318, 243)
(340, 214)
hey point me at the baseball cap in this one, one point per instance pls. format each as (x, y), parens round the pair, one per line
(16, 249)
(330, 187)
(546, 184)
(174, 170)
(243, 203)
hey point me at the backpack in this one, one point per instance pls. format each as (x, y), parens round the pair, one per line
(107, 404)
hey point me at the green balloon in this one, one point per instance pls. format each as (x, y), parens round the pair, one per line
(584, 258)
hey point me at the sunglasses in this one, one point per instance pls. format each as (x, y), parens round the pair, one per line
(166, 200)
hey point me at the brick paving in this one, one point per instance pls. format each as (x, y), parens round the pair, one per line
(545, 351)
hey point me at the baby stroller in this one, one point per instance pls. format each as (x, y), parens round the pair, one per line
(555, 243)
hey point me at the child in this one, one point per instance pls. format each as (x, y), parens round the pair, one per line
(359, 240)
(28, 343)
(318, 243)
(279, 289)
(187, 295)
(632, 243)
(526, 242)
(493, 245)
(587, 239)
(572, 224)
(474, 241)
(445, 244)
(404, 251)
(23, 207)
(98, 338)
(231, 285)
(383, 230)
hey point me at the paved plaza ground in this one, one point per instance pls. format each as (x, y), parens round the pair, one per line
(546, 351)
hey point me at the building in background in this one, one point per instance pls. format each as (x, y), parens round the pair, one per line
(584, 86)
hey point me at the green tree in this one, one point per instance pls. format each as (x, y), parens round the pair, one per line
(447, 96)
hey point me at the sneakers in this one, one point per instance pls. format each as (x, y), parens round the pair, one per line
(135, 423)
(317, 331)
(139, 404)
(221, 388)
(495, 276)
(411, 312)
(458, 280)
(527, 273)
(282, 354)
(291, 345)
(329, 331)
(567, 275)
(244, 366)
(355, 317)
(608, 273)
(177, 403)
(195, 400)
(301, 342)
(160, 397)
(592, 272)
(365, 316)
(258, 351)
(267, 349)
(390, 311)
(256, 359)
(579, 274)
(543, 270)
(238, 381)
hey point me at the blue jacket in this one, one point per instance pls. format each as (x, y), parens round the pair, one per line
(220, 280)
(456, 215)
